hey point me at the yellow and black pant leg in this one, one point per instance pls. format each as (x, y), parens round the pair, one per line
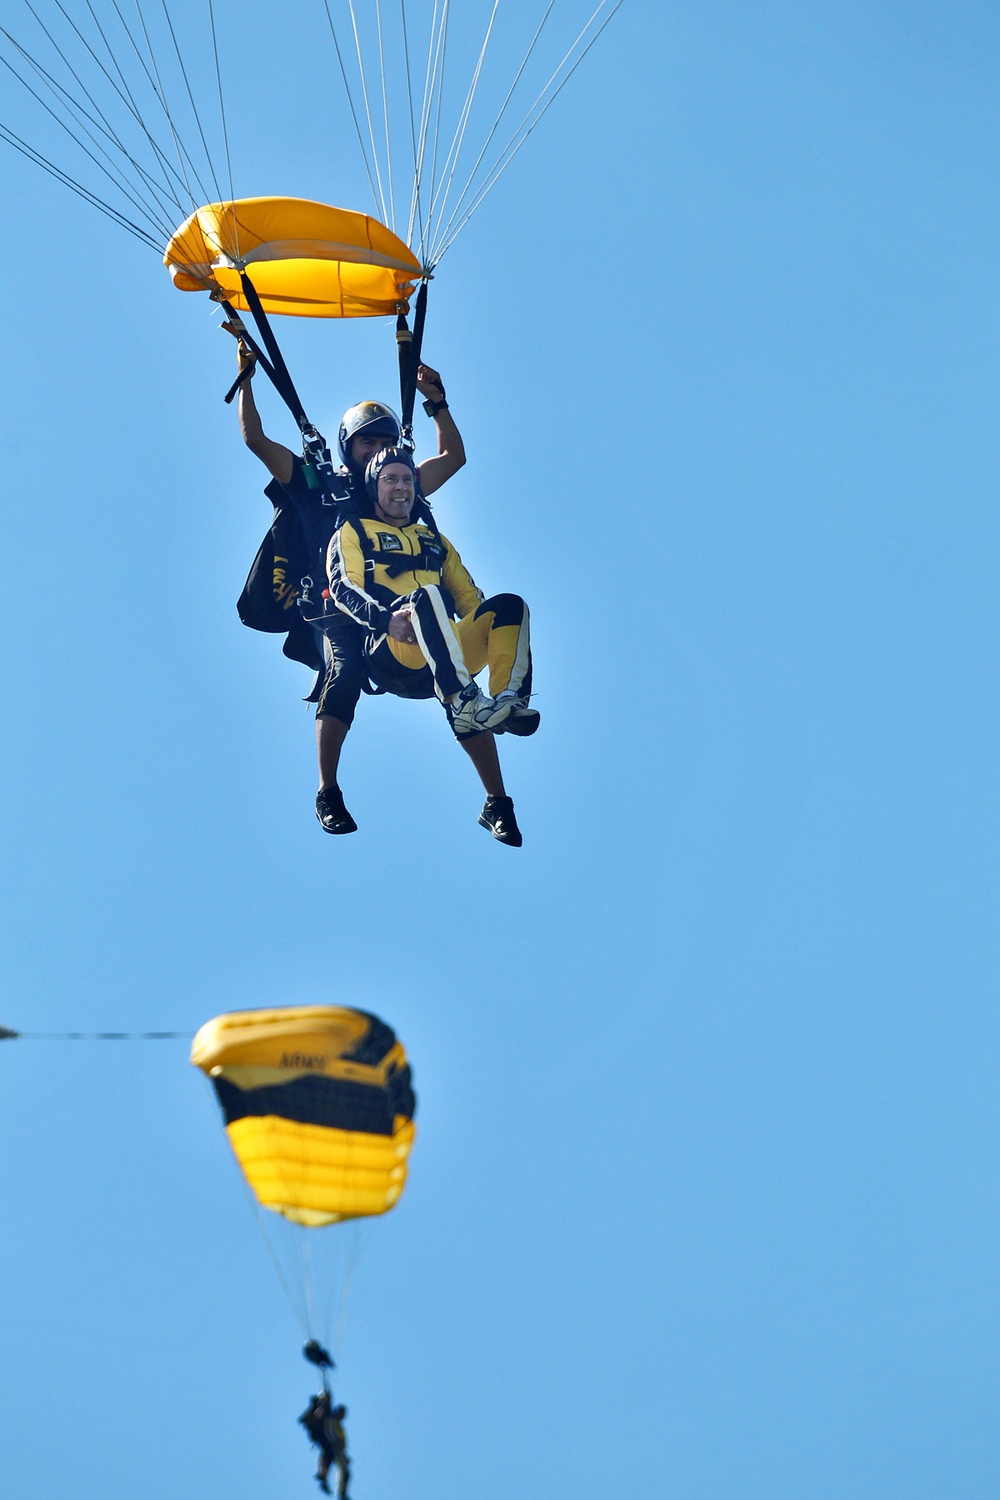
(438, 639)
(498, 634)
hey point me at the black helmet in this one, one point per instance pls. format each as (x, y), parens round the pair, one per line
(371, 417)
(378, 463)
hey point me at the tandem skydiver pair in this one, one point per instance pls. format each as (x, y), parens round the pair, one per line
(394, 608)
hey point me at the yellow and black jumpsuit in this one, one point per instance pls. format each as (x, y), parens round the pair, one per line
(374, 567)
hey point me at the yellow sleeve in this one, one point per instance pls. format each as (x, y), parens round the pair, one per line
(345, 566)
(345, 561)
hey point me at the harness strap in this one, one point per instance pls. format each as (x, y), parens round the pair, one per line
(423, 561)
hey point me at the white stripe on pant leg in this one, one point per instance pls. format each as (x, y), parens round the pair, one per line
(449, 642)
(522, 657)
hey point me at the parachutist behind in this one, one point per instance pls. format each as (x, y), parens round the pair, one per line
(324, 1423)
(295, 547)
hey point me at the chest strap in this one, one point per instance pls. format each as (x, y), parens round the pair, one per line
(427, 560)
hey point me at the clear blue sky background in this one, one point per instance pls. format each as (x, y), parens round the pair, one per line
(704, 1203)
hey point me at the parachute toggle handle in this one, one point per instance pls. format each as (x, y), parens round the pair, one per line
(6, 1035)
(317, 1355)
(235, 325)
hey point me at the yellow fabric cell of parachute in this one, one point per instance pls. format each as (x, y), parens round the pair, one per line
(318, 1105)
(306, 259)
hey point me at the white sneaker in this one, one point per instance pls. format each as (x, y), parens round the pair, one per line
(520, 719)
(472, 712)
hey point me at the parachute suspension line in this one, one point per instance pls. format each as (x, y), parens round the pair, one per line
(105, 208)
(368, 111)
(353, 1256)
(222, 116)
(126, 98)
(503, 108)
(191, 101)
(518, 139)
(73, 109)
(385, 117)
(436, 49)
(112, 173)
(316, 1324)
(170, 172)
(170, 177)
(295, 1303)
(350, 101)
(182, 153)
(94, 1036)
(437, 117)
(454, 150)
(414, 197)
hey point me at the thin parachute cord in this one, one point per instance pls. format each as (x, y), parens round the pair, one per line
(368, 111)
(97, 1036)
(105, 208)
(127, 99)
(437, 117)
(361, 1236)
(182, 151)
(170, 172)
(385, 117)
(309, 1283)
(451, 160)
(191, 101)
(350, 101)
(504, 160)
(503, 108)
(107, 171)
(151, 209)
(414, 196)
(418, 144)
(225, 131)
(101, 123)
(437, 45)
(297, 1306)
(160, 157)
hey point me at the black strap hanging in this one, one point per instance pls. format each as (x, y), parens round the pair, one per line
(409, 347)
(279, 375)
(315, 449)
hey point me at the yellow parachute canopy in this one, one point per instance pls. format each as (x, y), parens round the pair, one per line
(303, 258)
(318, 1105)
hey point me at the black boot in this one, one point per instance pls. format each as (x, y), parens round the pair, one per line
(332, 813)
(498, 816)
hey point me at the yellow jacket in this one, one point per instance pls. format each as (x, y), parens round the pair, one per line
(369, 572)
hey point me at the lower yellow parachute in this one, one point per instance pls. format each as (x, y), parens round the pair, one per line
(318, 1104)
(304, 258)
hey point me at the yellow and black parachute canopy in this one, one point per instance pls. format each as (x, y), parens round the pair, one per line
(318, 1105)
(303, 258)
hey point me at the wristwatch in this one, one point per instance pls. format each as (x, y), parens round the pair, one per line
(433, 407)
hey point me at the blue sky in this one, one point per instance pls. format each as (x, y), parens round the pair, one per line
(704, 1201)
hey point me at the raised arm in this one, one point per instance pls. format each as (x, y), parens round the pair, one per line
(274, 456)
(451, 450)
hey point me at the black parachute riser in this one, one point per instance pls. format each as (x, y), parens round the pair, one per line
(280, 377)
(408, 383)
